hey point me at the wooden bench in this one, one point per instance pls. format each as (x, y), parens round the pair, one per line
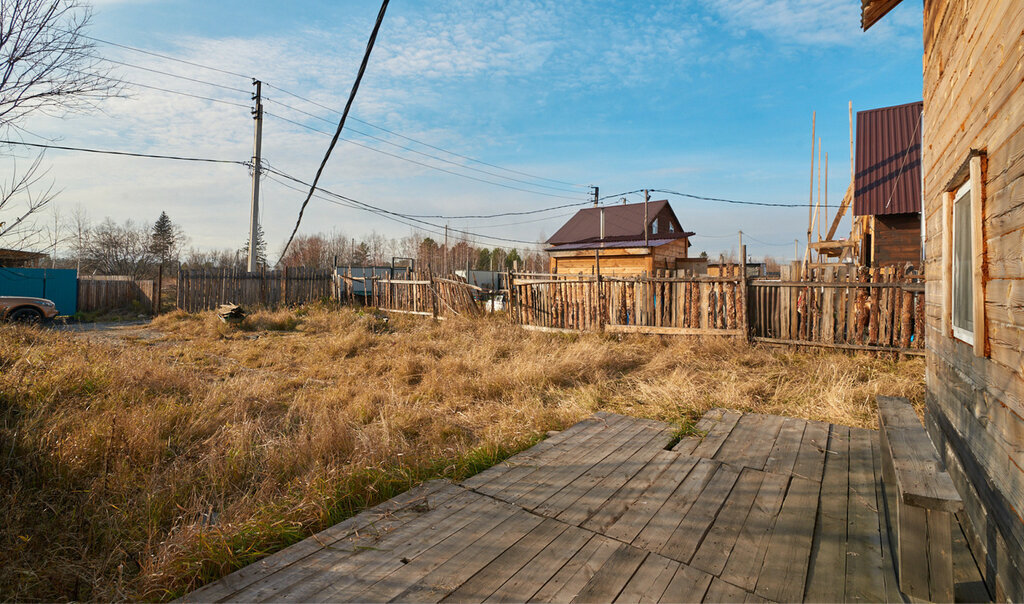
(920, 501)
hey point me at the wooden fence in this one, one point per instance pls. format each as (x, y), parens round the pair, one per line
(200, 289)
(667, 303)
(880, 309)
(877, 309)
(424, 294)
(115, 292)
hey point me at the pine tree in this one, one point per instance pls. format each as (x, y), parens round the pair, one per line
(261, 248)
(164, 239)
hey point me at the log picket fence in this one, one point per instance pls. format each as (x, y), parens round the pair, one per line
(839, 307)
(424, 294)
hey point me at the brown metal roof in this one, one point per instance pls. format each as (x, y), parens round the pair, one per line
(621, 222)
(873, 10)
(888, 164)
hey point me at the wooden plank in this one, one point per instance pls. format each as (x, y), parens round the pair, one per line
(538, 571)
(718, 544)
(810, 459)
(688, 535)
(367, 525)
(865, 581)
(612, 577)
(688, 585)
(660, 527)
(720, 591)
(940, 556)
(784, 451)
(969, 585)
(674, 331)
(921, 477)
(318, 570)
(639, 512)
(751, 441)
(488, 579)
(435, 573)
(713, 440)
(627, 496)
(578, 571)
(748, 553)
(784, 570)
(650, 580)
(589, 502)
(553, 499)
(826, 575)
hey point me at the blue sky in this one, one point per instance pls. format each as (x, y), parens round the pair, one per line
(711, 97)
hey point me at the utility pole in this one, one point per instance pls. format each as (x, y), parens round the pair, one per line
(596, 190)
(444, 264)
(647, 198)
(254, 213)
(810, 201)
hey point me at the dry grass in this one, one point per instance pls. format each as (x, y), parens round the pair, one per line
(141, 468)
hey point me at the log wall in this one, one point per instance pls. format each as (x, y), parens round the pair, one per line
(974, 102)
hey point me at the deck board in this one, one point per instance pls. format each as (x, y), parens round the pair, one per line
(749, 508)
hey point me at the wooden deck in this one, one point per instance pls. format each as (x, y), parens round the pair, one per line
(759, 508)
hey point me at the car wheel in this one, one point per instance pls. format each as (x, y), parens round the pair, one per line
(28, 316)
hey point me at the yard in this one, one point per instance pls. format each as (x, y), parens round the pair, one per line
(142, 465)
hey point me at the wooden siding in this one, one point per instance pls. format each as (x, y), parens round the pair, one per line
(974, 101)
(897, 240)
(621, 262)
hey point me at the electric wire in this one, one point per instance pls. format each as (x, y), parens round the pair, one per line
(425, 144)
(418, 152)
(174, 75)
(418, 163)
(163, 56)
(126, 153)
(734, 201)
(341, 123)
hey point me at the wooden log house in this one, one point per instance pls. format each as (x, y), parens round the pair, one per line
(973, 179)
(629, 239)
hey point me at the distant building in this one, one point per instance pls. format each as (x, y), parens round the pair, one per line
(887, 191)
(20, 258)
(628, 238)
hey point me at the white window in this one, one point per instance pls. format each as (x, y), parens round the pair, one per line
(654, 227)
(962, 297)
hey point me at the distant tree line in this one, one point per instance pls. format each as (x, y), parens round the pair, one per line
(139, 250)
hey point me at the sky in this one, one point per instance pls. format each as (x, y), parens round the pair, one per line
(708, 97)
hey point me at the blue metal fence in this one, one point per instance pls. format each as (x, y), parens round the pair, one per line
(57, 284)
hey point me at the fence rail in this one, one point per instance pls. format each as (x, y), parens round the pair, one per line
(424, 294)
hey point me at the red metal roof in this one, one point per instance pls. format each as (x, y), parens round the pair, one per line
(888, 164)
(621, 222)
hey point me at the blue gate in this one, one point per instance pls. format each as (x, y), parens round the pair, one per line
(57, 284)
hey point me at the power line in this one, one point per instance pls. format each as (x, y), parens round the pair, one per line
(418, 152)
(419, 163)
(378, 209)
(167, 90)
(174, 75)
(425, 144)
(162, 56)
(746, 203)
(125, 153)
(341, 123)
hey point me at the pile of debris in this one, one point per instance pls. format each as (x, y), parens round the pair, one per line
(231, 313)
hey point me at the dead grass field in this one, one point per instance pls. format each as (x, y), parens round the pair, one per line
(141, 468)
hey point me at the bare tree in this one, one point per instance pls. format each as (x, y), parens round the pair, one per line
(47, 65)
(23, 194)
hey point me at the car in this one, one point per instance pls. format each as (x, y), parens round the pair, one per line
(20, 309)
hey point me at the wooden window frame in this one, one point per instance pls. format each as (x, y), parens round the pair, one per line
(970, 177)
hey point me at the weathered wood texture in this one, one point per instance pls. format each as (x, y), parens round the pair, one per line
(839, 307)
(114, 293)
(759, 508)
(974, 101)
(200, 289)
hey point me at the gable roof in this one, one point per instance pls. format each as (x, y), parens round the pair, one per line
(873, 10)
(888, 164)
(621, 223)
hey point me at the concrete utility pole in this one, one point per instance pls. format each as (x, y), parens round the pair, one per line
(596, 190)
(254, 213)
